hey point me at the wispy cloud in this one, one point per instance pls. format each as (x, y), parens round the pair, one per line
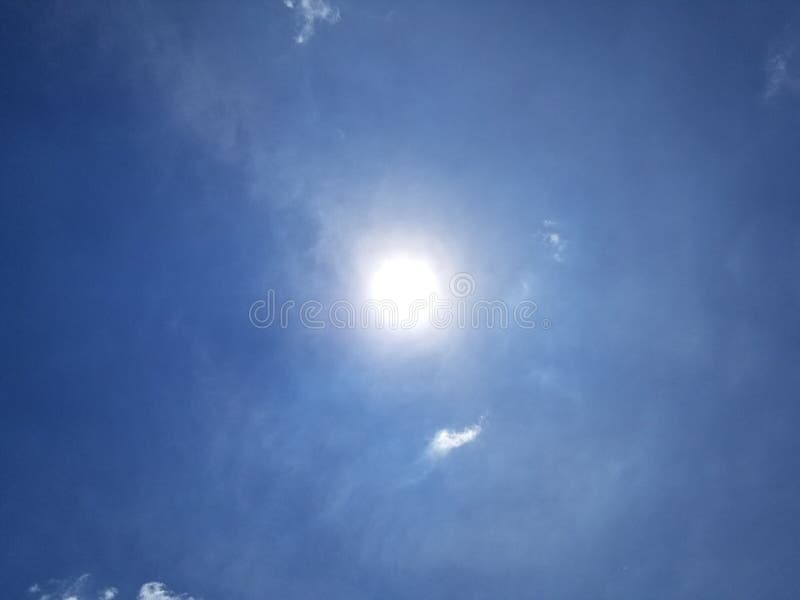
(81, 589)
(782, 67)
(553, 238)
(310, 12)
(61, 589)
(781, 70)
(157, 591)
(447, 440)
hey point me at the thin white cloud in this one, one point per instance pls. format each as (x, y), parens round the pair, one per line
(157, 591)
(782, 67)
(81, 589)
(310, 12)
(781, 70)
(74, 591)
(551, 237)
(447, 440)
(62, 589)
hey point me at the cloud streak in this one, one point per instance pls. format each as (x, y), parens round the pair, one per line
(447, 440)
(782, 67)
(81, 589)
(310, 13)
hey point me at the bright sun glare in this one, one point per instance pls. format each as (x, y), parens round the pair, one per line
(403, 281)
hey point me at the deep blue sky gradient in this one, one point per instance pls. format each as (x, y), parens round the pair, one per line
(163, 164)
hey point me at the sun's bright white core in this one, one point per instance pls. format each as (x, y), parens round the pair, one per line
(404, 281)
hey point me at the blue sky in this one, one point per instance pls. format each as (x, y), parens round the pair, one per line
(630, 167)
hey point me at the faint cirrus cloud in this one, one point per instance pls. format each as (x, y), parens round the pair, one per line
(782, 70)
(782, 67)
(310, 12)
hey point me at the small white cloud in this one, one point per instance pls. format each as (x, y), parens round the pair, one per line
(447, 440)
(61, 589)
(157, 591)
(553, 239)
(74, 591)
(108, 594)
(77, 590)
(310, 12)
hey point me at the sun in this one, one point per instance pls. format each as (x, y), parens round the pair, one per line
(405, 282)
